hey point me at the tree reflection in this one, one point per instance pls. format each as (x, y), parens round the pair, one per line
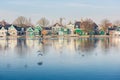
(105, 44)
(85, 45)
(67, 47)
(44, 47)
(108, 43)
(21, 47)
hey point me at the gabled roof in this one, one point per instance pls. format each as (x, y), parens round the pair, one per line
(30, 29)
(95, 25)
(7, 26)
(2, 28)
(18, 28)
(57, 24)
(36, 30)
(38, 27)
(12, 27)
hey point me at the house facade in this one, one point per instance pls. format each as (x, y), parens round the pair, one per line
(79, 31)
(12, 31)
(3, 32)
(30, 31)
(70, 28)
(37, 30)
(114, 32)
(57, 29)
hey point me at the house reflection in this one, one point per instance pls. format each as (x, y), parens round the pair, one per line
(108, 43)
(21, 47)
(7, 44)
(74, 45)
(114, 42)
(59, 46)
(3, 45)
(85, 45)
(12, 43)
(37, 51)
(45, 46)
(105, 44)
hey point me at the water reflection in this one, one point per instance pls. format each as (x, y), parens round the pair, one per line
(85, 45)
(75, 58)
(36, 49)
(26, 66)
(40, 63)
(21, 46)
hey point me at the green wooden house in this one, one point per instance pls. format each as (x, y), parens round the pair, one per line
(37, 30)
(66, 31)
(30, 31)
(79, 31)
(102, 32)
(63, 31)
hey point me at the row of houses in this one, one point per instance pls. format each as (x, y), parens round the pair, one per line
(56, 29)
(13, 30)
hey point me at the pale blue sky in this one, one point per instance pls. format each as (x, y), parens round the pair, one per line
(54, 9)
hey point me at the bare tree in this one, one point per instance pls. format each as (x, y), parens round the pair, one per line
(117, 23)
(43, 22)
(105, 24)
(22, 22)
(87, 25)
(3, 23)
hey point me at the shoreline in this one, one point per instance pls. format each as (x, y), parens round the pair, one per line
(57, 37)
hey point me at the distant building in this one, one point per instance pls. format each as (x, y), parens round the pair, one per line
(70, 28)
(77, 24)
(3, 32)
(37, 30)
(114, 31)
(12, 31)
(57, 29)
(95, 29)
(30, 31)
(20, 30)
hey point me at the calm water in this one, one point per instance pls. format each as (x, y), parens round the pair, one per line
(60, 59)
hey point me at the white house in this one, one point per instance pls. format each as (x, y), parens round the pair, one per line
(3, 32)
(57, 29)
(12, 31)
(70, 26)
